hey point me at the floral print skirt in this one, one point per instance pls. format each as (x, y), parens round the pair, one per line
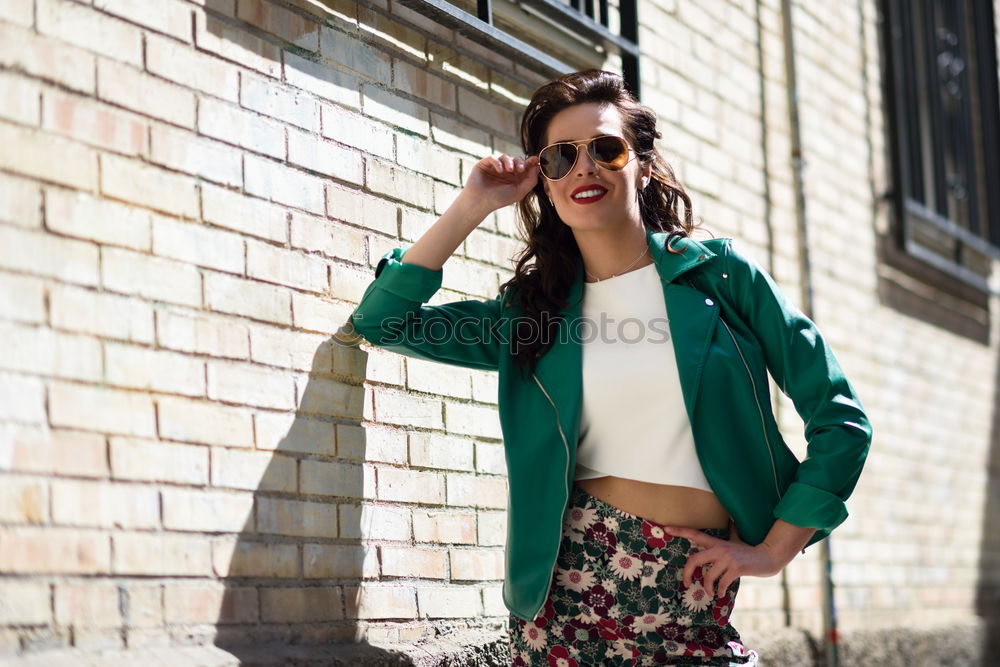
(618, 598)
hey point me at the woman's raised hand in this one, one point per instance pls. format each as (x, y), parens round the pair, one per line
(501, 180)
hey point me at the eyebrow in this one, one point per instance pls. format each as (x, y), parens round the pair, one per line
(599, 134)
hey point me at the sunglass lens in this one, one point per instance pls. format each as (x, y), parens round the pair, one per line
(556, 161)
(610, 152)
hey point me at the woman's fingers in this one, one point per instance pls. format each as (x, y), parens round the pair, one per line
(703, 540)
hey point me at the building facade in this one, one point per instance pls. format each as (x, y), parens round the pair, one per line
(194, 462)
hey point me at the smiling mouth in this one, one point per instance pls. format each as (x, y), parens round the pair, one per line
(589, 196)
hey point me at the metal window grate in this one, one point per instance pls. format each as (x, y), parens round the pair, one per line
(946, 123)
(585, 19)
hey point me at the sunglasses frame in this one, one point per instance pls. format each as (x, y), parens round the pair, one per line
(589, 143)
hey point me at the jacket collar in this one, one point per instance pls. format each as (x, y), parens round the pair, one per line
(668, 264)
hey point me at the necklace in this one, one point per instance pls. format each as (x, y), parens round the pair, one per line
(597, 280)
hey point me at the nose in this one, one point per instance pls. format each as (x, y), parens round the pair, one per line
(585, 165)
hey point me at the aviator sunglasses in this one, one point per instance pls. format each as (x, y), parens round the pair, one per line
(557, 160)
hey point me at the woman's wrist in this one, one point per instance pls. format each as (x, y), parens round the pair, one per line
(784, 541)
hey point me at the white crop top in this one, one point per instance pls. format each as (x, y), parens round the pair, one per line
(633, 423)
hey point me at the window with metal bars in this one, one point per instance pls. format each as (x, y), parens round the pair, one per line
(944, 133)
(551, 36)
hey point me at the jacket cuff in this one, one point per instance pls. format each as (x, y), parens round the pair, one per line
(408, 281)
(804, 505)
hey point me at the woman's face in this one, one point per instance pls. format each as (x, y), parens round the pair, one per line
(618, 204)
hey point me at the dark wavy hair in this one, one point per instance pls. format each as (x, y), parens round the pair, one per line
(546, 267)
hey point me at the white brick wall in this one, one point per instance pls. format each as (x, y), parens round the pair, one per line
(192, 199)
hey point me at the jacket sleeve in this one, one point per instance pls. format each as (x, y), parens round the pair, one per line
(837, 430)
(392, 315)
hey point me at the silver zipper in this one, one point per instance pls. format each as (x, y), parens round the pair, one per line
(760, 410)
(555, 561)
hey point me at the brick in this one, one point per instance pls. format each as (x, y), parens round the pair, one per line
(99, 409)
(323, 80)
(444, 452)
(84, 216)
(274, 100)
(501, 119)
(22, 299)
(151, 277)
(28, 152)
(423, 157)
(47, 58)
(449, 601)
(375, 522)
(147, 460)
(271, 263)
(241, 128)
(289, 26)
(52, 451)
(352, 129)
(491, 458)
(90, 30)
(410, 486)
(25, 602)
(23, 500)
(250, 385)
(470, 419)
(161, 554)
(240, 557)
(133, 89)
(344, 480)
(253, 470)
(207, 511)
(421, 83)
(150, 186)
(87, 605)
(444, 527)
(315, 154)
(339, 561)
(453, 133)
(476, 491)
(193, 243)
(275, 346)
(318, 314)
(169, 16)
(387, 30)
(284, 185)
(185, 152)
(329, 237)
(393, 407)
(436, 378)
(289, 432)
(142, 605)
(104, 505)
(248, 298)
(276, 516)
(380, 601)
(181, 64)
(476, 565)
(248, 215)
(22, 99)
(19, 11)
(209, 603)
(414, 562)
(236, 44)
(20, 201)
(200, 333)
(101, 314)
(363, 210)
(395, 110)
(141, 368)
(300, 605)
(48, 352)
(53, 551)
(346, 51)
(329, 398)
(397, 183)
(22, 398)
(204, 422)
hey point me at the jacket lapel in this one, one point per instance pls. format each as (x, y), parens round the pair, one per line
(692, 322)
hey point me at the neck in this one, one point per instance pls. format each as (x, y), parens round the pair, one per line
(608, 252)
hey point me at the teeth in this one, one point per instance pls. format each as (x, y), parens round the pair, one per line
(588, 193)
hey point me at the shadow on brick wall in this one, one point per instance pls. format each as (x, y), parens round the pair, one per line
(292, 575)
(988, 590)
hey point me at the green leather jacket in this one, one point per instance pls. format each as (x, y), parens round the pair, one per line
(730, 325)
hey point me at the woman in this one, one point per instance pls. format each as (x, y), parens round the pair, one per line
(645, 468)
